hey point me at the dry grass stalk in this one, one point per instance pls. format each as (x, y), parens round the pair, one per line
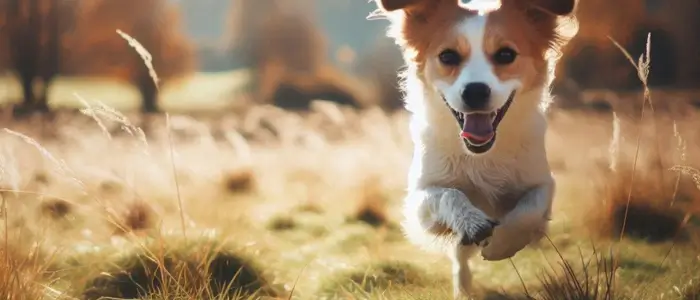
(148, 62)
(21, 273)
(101, 110)
(61, 164)
(177, 182)
(614, 149)
(145, 56)
(582, 283)
(642, 68)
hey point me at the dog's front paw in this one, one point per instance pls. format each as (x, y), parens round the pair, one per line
(478, 229)
(506, 243)
(492, 252)
(452, 216)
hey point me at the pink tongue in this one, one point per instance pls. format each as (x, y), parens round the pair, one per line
(478, 127)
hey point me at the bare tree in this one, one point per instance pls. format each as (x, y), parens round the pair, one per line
(99, 51)
(32, 32)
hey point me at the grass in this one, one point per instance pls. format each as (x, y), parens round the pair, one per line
(319, 225)
(22, 273)
(239, 181)
(376, 278)
(158, 268)
(305, 206)
(200, 91)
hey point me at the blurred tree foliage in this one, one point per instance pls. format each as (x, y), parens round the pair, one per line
(41, 39)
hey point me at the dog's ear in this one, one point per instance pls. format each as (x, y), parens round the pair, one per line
(556, 7)
(553, 18)
(392, 5)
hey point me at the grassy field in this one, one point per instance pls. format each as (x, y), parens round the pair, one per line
(207, 91)
(270, 204)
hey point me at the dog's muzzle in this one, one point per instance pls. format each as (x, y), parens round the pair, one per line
(478, 130)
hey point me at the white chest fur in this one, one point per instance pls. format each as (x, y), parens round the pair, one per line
(493, 180)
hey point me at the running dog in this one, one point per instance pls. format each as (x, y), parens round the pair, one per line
(477, 86)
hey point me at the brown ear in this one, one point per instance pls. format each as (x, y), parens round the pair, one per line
(392, 5)
(557, 7)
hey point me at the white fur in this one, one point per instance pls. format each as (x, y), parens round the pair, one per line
(448, 185)
(477, 69)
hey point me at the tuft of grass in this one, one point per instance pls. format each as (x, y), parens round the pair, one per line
(664, 227)
(375, 277)
(41, 178)
(282, 223)
(138, 216)
(111, 187)
(642, 204)
(640, 200)
(22, 273)
(172, 269)
(373, 215)
(373, 206)
(585, 284)
(310, 207)
(241, 181)
(56, 209)
(592, 279)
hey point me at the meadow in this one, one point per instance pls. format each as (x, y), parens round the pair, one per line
(261, 203)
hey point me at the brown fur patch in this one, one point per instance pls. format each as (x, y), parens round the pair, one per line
(425, 28)
(450, 73)
(511, 27)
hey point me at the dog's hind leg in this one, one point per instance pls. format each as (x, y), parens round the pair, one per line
(527, 222)
(438, 211)
(461, 274)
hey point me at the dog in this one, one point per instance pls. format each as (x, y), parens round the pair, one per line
(477, 86)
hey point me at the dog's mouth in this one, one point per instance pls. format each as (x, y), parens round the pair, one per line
(479, 128)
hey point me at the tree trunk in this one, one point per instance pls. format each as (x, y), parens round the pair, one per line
(24, 51)
(27, 81)
(51, 55)
(42, 102)
(26, 106)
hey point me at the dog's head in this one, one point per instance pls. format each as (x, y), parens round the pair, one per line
(478, 60)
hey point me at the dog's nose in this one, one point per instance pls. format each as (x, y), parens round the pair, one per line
(476, 95)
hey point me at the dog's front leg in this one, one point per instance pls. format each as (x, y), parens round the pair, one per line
(439, 211)
(527, 222)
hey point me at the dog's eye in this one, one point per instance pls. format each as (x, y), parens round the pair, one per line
(450, 57)
(505, 56)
